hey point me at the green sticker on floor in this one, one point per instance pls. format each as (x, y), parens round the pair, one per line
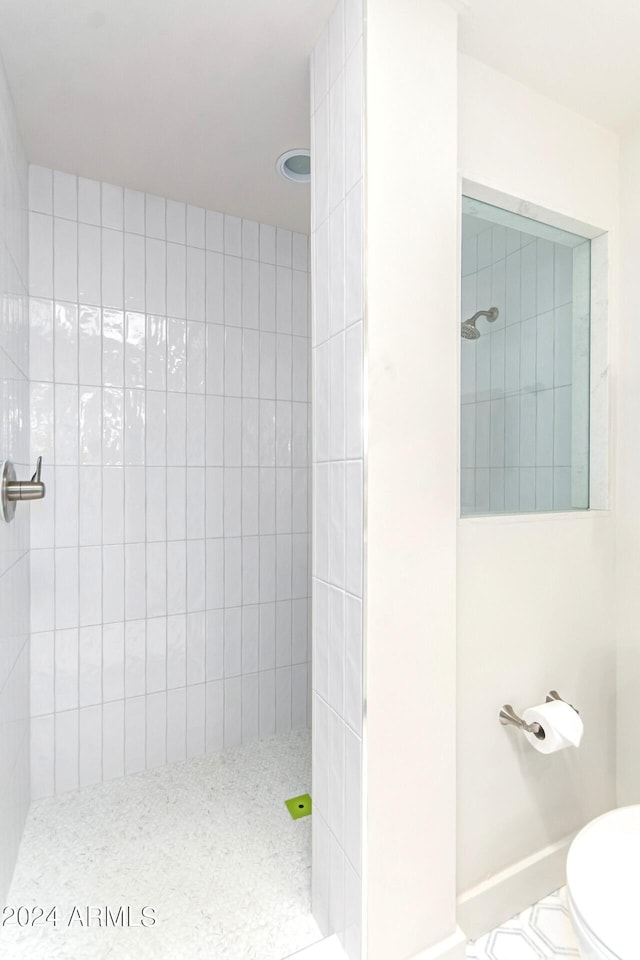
(299, 806)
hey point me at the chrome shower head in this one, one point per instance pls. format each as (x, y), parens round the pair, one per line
(468, 329)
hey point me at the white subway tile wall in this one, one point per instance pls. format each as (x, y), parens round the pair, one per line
(170, 402)
(14, 445)
(516, 380)
(338, 451)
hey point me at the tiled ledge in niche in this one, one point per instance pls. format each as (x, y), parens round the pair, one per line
(577, 516)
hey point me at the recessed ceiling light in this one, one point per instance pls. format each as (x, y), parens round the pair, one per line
(295, 165)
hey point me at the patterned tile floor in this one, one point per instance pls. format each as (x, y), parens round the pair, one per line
(208, 843)
(541, 932)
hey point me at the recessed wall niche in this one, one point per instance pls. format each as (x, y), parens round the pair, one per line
(525, 364)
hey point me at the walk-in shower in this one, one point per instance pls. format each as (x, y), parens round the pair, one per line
(156, 351)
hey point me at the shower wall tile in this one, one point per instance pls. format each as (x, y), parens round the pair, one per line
(14, 444)
(170, 400)
(515, 382)
(337, 473)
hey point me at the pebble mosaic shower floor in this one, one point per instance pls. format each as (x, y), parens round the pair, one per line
(208, 843)
(541, 932)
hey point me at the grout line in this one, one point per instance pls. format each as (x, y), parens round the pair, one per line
(259, 504)
(102, 486)
(223, 734)
(165, 468)
(187, 473)
(242, 542)
(144, 476)
(55, 460)
(205, 379)
(77, 470)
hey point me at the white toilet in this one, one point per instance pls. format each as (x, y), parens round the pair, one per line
(603, 884)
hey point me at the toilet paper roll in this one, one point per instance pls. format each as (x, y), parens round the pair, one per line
(561, 724)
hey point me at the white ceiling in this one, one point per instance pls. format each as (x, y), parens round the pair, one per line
(190, 99)
(583, 53)
(195, 99)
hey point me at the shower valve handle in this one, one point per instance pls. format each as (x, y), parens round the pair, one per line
(36, 475)
(33, 489)
(14, 490)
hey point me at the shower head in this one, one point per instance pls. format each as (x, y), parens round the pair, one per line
(468, 329)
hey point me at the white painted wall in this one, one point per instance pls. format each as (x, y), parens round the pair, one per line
(535, 595)
(14, 444)
(411, 410)
(628, 475)
(521, 143)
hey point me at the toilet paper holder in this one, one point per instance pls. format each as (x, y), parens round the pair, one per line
(508, 716)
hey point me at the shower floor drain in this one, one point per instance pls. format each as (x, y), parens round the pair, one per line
(299, 806)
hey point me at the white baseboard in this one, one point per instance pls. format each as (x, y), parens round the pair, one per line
(495, 900)
(453, 948)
